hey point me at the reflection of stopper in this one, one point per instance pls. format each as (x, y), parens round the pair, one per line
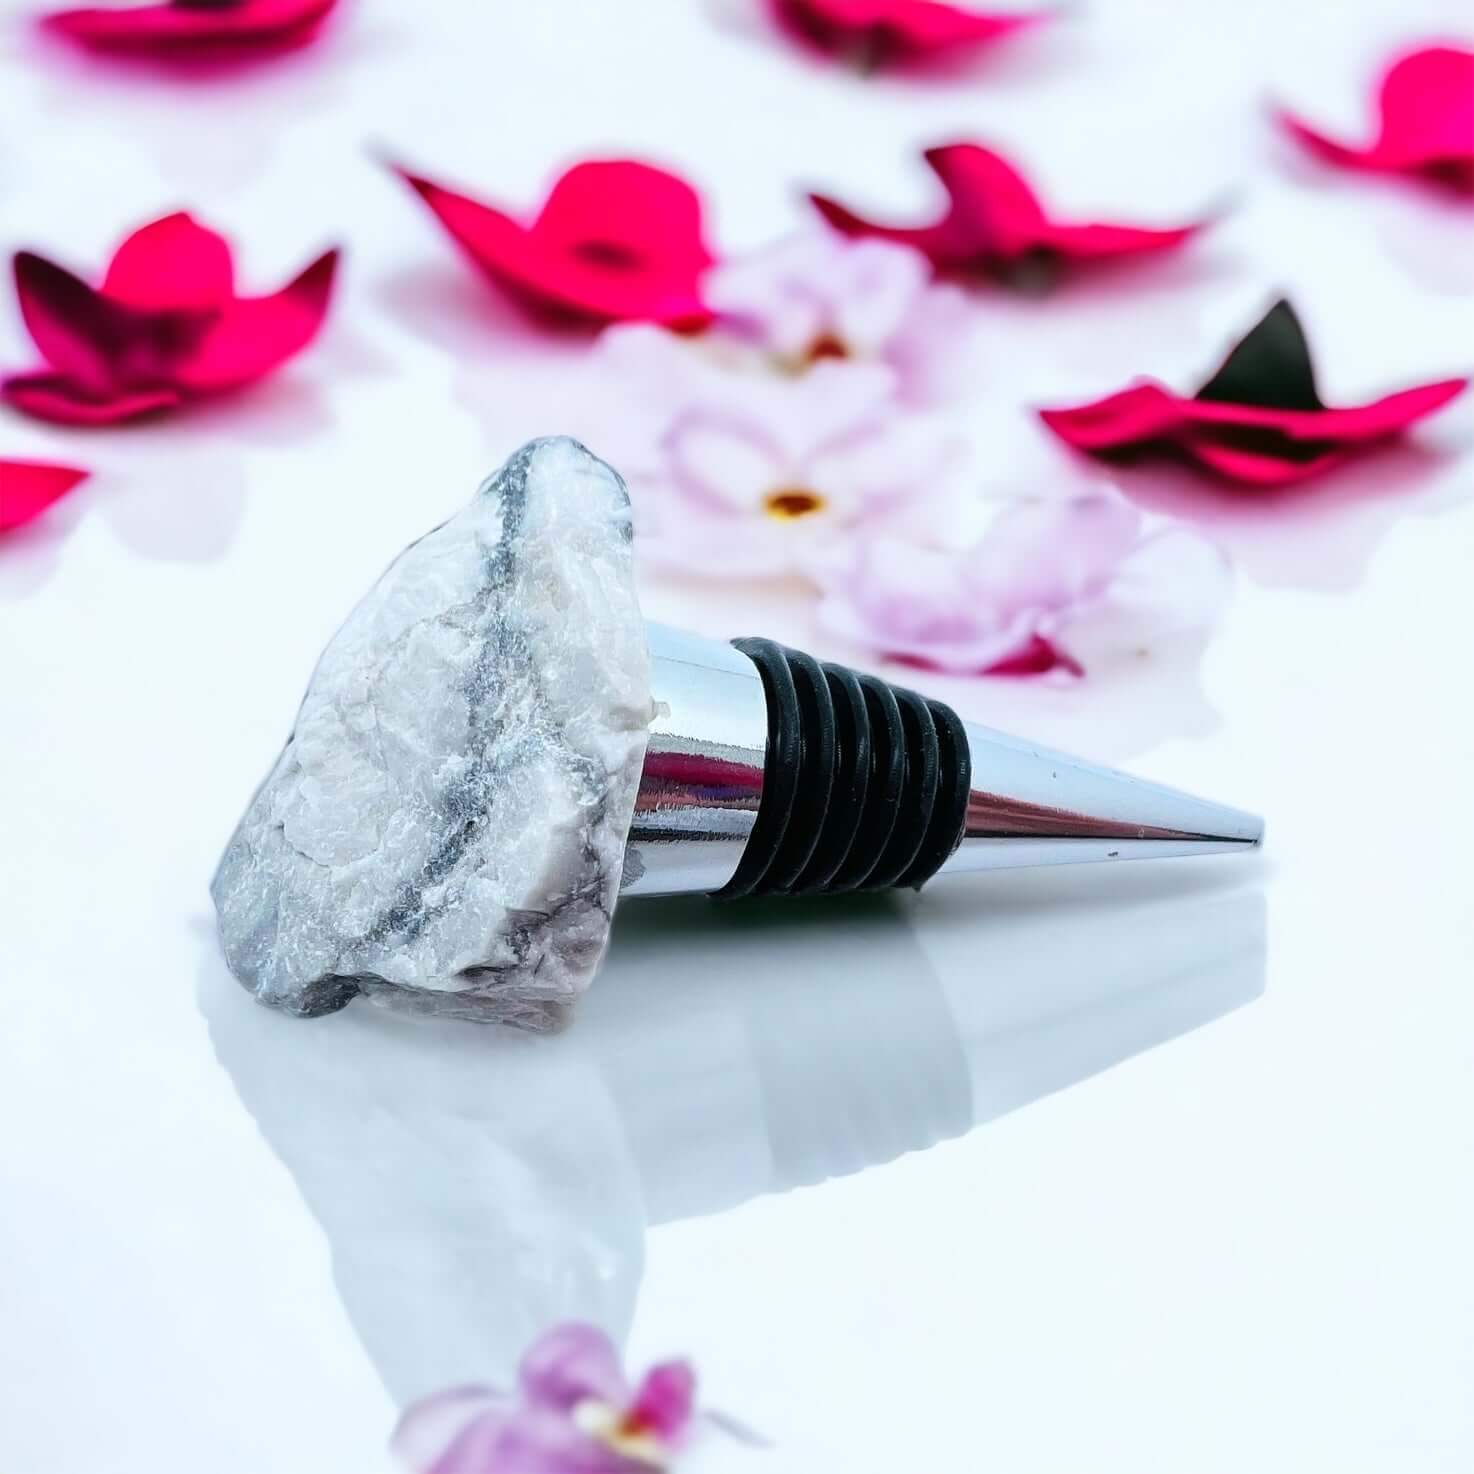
(769, 773)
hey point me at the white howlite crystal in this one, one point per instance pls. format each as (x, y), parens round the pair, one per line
(445, 829)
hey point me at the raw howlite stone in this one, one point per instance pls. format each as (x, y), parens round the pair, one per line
(445, 829)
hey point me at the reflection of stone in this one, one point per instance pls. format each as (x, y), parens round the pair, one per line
(474, 1184)
(477, 1185)
(446, 825)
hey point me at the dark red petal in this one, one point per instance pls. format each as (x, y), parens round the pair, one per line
(172, 263)
(590, 256)
(61, 400)
(78, 331)
(28, 488)
(1427, 102)
(180, 30)
(1135, 416)
(255, 335)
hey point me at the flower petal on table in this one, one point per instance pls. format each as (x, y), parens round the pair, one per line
(616, 242)
(79, 332)
(1425, 126)
(170, 30)
(28, 488)
(173, 263)
(1145, 411)
(61, 400)
(255, 335)
(874, 32)
(995, 222)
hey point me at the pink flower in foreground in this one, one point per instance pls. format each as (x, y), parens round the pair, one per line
(816, 296)
(573, 1412)
(753, 476)
(165, 327)
(28, 488)
(1052, 588)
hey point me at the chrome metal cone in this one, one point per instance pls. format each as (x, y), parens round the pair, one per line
(771, 773)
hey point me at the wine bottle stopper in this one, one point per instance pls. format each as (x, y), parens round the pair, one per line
(495, 749)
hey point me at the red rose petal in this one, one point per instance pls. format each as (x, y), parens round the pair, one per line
(1427, 104)
(1142, 412)
(178, 30)
(1318, 144)
(938, 243)
(28, 488)
(1266, 467)
(1258, 420)
(167, 327)
(641, 209)
(255, 335)
(171, 263)
(1101, 242)
(59, 399)
(994, 212)
(616, 241)
(1426, 128)
(995, 223)
(99, 345)
(877, 31)
(78, 331)
(1373, 421)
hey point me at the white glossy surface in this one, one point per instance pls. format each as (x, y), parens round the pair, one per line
(231, 1240)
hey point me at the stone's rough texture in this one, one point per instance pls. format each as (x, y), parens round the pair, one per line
(445, 829)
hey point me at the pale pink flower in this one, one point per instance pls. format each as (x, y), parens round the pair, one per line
(573, 1412)
(1054, 588)
(747, 476)
(818, 296)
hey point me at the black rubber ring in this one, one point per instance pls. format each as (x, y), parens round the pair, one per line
(949, 813)
(780, 767)
(882, 810)
(865, 785)
(852, 763)
(923, 757)
(815, 778)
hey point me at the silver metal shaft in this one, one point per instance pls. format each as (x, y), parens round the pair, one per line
(703, 784)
